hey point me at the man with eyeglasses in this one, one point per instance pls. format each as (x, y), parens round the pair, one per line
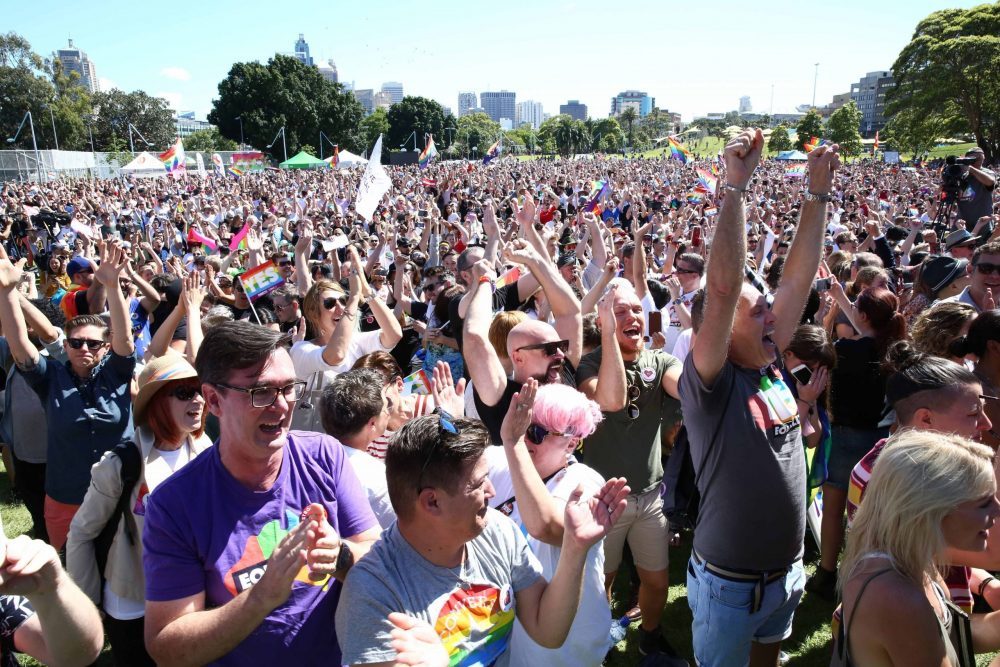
(241, 549)
(984, 290)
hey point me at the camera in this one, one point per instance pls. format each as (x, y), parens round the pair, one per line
(954, 176)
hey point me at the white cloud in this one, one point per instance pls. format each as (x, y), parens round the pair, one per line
(173, 99)
(176, 73)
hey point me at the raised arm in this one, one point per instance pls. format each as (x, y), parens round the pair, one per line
(488, 375)
(11, 317)
(303, 248)
(725, 266)
(609, 387)
(590, 299)
(113, 261)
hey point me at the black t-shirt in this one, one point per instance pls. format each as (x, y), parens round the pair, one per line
(857, 384)
(14, 610)
(492, 415)
(505, 298)
(419, 310)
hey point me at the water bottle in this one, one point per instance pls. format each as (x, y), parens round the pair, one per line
(619, 629)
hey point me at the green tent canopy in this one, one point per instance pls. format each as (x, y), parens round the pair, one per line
(303, 161)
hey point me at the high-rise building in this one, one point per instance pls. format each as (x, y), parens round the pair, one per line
(329, 71)
(745, 106)
(528, 111)
(498, 104)
(466, 100)
(73, 59)
(382, 100)
(869, 94)
(366, 97)
(395, 91)
(302, 50)
(574, 109)
(638, 100)
(186, 124)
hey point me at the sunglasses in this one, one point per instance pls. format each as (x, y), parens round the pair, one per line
(987, 269)
(186, 393)
(536, 434)
(677, 269)
(284, 262)
(548, 348)
(446, 427)
(631, 409)
(332, 302)
(90, 344)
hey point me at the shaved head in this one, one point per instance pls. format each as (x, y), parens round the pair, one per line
(528, 333)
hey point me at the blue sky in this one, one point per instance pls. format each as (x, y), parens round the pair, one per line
(549, 51)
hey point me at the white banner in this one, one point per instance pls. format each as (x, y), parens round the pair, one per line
(201, 165)
(374, 184)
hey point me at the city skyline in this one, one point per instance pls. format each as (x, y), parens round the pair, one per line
(689, 71)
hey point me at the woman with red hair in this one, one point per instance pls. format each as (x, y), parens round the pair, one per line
(169, 414)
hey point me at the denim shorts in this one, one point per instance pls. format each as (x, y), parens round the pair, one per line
(848, 446)
(723, 627)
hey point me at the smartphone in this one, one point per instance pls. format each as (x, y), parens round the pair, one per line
(655, 322)
(802, 374)
(696, 236)
(823, 284)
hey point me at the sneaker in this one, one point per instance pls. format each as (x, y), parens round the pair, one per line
(655, 642)
(823, 584)
(634, 614)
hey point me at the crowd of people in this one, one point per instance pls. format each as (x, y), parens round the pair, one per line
(258, 426)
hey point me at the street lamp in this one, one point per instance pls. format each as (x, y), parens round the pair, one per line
(322, 136)
(34, 142)
(240, 118)
(284, 146)
(53, 119)
(131, 143)
(449, 130)
(413, 135)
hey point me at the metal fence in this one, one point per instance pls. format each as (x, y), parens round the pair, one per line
(49, 165)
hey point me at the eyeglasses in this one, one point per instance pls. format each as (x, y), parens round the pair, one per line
(548, 348)
(536, 434)
(265, 397)
(631, 409)
(284, 262)
(987, 269)
(89, 343)
(332, 302)
(446, 427)
(678, 269)
(186, 393)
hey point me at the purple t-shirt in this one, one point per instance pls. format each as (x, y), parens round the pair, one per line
(204, 531)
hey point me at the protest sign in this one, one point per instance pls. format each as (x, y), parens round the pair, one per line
(374, 184)
(261, 279)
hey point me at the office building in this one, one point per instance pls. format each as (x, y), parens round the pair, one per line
(185, 124)
(528, 111)
(382, 100)
(394, 90)
(745, 106)
(73, 59)
(329, 71)
(466, 100)
(366, 97)
(574, 109)
(498, 104)
(302, 51)
(839, 101)
(869, 94)
(640, 101)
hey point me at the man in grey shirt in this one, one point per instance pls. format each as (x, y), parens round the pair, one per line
(745, 575)
(976, 198)
(461, 570)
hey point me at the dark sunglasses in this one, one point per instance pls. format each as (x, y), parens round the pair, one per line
(446, 427)
(631, 409)
(90, 344)
(987, 269)
(332, 302)
(548, 348)
(186, 393)
(536, 433)
(284, 262)
(678, 269)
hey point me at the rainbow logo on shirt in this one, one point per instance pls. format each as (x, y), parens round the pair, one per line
(469, 614)
(773, 407)
(251, 566)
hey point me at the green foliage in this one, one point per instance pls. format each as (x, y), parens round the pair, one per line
(525, 137)
(414, 114)
(628, 118)
(285, 93)
(24, 86)
(779, 140)
(372, 126)
(949, 70)
(811, 125)
(115, 109)
(843, 128)
(70, 109)
(448, 137)
(308, 149)
(914, 132)
(476, 130)
(608, 136)
(208, 140)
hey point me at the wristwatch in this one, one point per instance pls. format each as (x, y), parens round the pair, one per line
(810, 196)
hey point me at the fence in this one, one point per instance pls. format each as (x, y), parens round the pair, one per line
(49, 165)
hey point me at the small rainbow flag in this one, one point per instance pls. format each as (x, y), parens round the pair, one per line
(601, 190)
(694, 197)
(812, 143)
(795, 171)
(509, 278)
(173, 157)
(705, 178)
(233, 170)
(416, 383)
(678, 151)
(494, 151)
(239, 239)
(429, 153)
(194, 236)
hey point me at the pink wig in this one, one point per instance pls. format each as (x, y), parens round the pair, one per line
(566, 410)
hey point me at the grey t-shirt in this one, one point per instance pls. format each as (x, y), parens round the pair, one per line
(752, 480)
(975, 201)
(471, 607)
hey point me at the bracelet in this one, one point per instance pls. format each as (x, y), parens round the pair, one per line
(982, 586)
(487, 279)
(734, 188)
(812, 196)
(678, 301)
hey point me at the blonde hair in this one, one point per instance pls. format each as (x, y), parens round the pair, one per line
(312, 304)
(936, 327)
(500, 328)
(919, 478)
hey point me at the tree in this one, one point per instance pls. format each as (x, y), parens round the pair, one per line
(476, 130)
(208, 141)
(810, 126)
(448, 136)
(414, 114)
(372, 126)
(628, 117)
(285, 93)
(915, 132)
(607, 135)
(114, 110)
(71, 107)
(843, 128)
(24, 86)
(779, 141)
(949, 69)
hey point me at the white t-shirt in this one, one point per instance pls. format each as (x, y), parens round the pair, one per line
(683, 344)
(588, 641)
(371, 473)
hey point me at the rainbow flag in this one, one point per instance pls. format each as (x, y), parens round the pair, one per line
(678, 151)
(875, 145)
(601, 190)
(494, 151)
(261, 279)
(336, 157)
(795, 171)
(708, 180)
(173, 157)
(429, 153)
(194, 236)
(509, 278)
(416, 383)
(235, 171)
(239, 239)
(694, 197)
(812, 143)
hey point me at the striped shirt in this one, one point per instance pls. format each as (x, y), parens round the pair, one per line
(423, 404)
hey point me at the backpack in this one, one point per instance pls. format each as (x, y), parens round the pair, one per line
(131, 459)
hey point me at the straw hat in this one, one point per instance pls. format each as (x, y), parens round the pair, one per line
(157, 373)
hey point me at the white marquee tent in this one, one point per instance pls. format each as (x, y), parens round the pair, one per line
(144, 165)
(347, 159)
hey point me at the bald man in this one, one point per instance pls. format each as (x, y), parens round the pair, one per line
(537, 349)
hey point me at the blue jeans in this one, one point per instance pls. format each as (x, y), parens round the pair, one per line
(723, 626)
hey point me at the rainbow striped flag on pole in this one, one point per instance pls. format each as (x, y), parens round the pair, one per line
(494, 151)
(678, 151)
(239, 239)
(429, 153)
(706, 179)
(416, 383)
(173, 157)
(601, 190)
(795, 171)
